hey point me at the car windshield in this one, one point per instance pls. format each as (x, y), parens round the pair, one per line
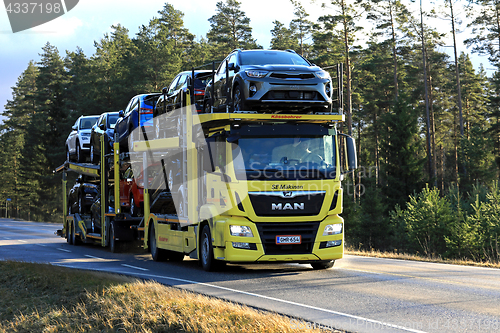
(112, 119)
(88, 122)
(201, 81)
(150, 100)
(310, 157)
(271, 58)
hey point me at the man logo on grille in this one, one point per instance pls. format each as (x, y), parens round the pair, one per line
(26, 14)
(287, 194)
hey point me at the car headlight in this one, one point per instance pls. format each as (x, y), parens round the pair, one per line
(323, 75)
(256, 73)
(240, 230)
(333, 229)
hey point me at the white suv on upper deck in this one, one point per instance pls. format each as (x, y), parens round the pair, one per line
(78, 141)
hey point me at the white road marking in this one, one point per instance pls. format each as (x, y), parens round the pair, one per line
(89, 256)
(64, 250)
(135, 267)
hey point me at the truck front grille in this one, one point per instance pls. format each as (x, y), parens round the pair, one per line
(269, 231)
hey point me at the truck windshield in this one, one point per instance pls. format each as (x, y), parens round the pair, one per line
(293, 157)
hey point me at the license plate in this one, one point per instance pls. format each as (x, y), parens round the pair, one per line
(288, 239)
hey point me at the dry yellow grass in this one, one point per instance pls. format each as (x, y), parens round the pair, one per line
(406, 256)
(122, 305)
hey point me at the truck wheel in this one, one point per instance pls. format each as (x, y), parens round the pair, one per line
(69, 239)
(323, 264)
(208, 262)
(113, 244)
(74, 238)
(156, 253)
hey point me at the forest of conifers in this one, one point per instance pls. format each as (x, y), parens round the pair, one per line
(428, 181)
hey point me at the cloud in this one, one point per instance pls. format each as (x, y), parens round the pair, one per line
(62, 26)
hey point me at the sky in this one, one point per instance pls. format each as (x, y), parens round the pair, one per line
(91, 19)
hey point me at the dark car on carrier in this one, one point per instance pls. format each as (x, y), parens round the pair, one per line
(82, 195)
(175, 95)
(268, 81)
(105, 126)
(137, 114)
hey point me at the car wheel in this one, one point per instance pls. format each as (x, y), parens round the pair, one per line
(81, 209)
(68, 156)
(134, 209)
(93, 155)
(170, 180)
(238, 99)
(156, 253)
(79, 155)
(323, 264)
(207, 106)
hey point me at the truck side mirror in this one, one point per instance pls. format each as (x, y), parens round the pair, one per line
(120, 114)
(351, 155)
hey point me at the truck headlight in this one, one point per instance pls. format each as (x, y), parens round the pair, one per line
(333, 229)
(240, 230)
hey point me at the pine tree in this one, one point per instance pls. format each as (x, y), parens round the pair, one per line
(230, 29)
(401, 152)
(283, 38)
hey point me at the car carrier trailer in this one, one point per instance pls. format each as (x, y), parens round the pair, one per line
(230, 187)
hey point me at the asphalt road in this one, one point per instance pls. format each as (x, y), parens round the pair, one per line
(359, 294)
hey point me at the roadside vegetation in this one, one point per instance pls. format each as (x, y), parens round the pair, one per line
(45, 298)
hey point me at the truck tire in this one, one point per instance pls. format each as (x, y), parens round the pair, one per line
(208, 262)
(74, 238)
(114, 245)
(323, 264)
(156, 253)
(69, 239)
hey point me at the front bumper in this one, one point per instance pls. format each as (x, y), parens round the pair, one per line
(260, 252)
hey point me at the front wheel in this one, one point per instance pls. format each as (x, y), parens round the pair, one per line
(323, 264)
(79, 154)
(208, 262)
(238, 99)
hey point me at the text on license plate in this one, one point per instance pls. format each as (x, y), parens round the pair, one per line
(288, 239)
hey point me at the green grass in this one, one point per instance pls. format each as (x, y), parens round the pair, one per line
(45, 298)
